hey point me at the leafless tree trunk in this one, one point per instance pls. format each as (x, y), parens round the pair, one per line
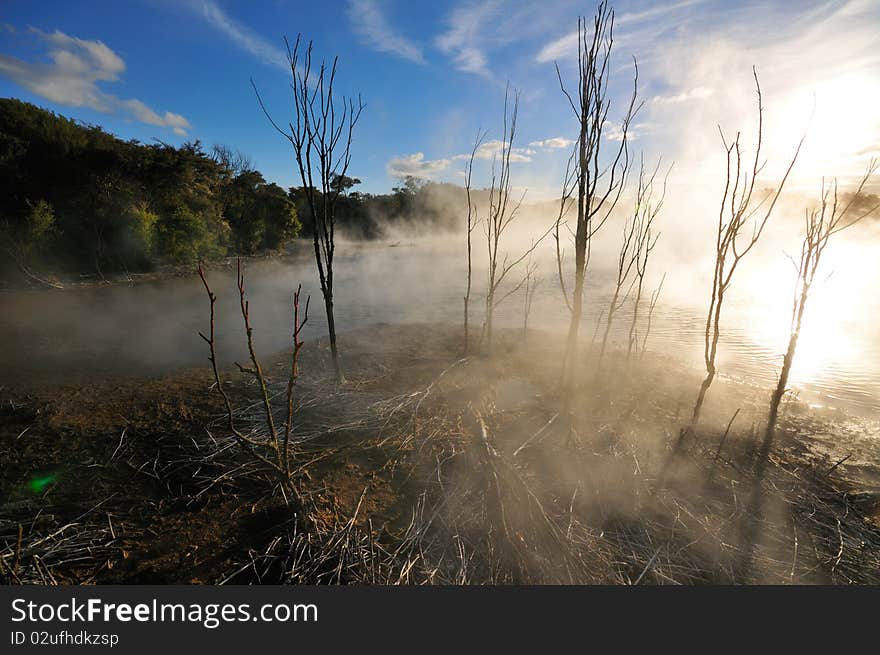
(274, 449)
(626, 260)
(635, 249)
(235, 161)
(655, 296)
(648, 209)
(472, 221)
(821, 224)
(532, 282)
(321, 137)
(733, 241)
(599, 185)
(597, 327)
(568, 187)
(501, 214)
(298, 343)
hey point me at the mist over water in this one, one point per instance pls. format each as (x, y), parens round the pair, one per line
(151, 328)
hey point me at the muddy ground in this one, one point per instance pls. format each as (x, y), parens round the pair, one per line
(427, 466)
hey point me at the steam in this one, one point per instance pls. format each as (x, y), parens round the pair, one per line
(411, 278)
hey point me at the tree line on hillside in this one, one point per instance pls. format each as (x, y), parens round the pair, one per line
(77, 200)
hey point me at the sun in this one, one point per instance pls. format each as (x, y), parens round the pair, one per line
(831, 333)
(842, 121)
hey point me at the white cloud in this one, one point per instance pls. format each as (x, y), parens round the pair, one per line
(463, 39)
(471, 60)
(653, 12)
(72, 76)
(70, 79)
(492, 149)
(614, 132)
(416, 165)
(146, 115)
(371, 25)
(697, 93)
(242, 36)
(567, 45)
(558, 48)
(554, 142)
(834, 89)
(80, 56)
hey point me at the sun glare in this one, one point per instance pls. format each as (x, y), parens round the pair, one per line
(831, 318)
(844, 124)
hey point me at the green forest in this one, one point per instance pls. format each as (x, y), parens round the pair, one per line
(76, 200)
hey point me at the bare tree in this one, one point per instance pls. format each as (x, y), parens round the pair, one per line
(472, 221)
(597, 327)
(502, 212)
(741, 221)
(235, 161)
(568, 187)
(321, 136)
(648, 207)
(532, 282)
(635, 249)
(273, 450)
(831, 217)
(655, 296)
(626, 260)
(599, 185)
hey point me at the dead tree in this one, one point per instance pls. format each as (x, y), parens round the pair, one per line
(655, 296)
(822, 223)
(635, 249)
(568, 187)
(648, 208)
(298, 343)
(532, 282)
(502, 212)
(234, 161)
(472, 221)
(273, 449)
(741, 222)
(638, 242)
(599, 184)
(626, 260)
(597, 327)
(321, 136)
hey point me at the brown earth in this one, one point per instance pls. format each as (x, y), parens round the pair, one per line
(424, 453)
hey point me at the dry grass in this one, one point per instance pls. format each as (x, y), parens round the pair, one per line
(429, 468)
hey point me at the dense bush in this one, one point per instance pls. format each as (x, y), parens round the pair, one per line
(77, 200)
(74, 198)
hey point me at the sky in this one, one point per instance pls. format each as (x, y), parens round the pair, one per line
(433, 75)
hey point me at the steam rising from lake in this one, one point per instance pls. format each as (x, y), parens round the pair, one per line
(151, 328)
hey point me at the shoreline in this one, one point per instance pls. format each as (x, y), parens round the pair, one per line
(300, 248)
(163, 272)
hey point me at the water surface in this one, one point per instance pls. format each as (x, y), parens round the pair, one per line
(152, 327)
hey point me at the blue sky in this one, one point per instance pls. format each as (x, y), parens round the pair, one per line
(433, 74)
